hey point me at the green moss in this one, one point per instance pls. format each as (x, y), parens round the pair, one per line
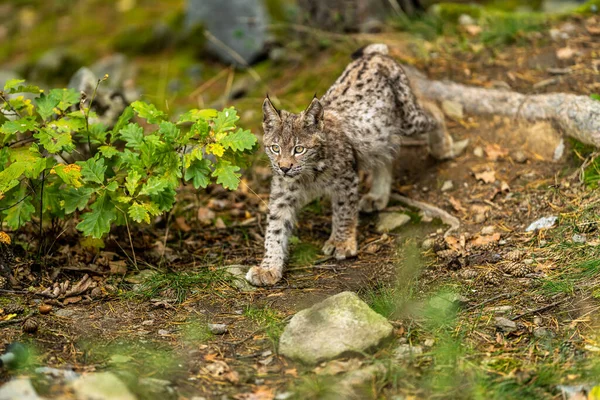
(452, 11)
(590, 7)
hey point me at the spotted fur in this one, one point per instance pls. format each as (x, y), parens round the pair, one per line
(355, 126)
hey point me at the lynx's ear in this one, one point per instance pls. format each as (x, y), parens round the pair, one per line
(271, 117)
(313, 115)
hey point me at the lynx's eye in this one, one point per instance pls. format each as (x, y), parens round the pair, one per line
(275, 149)
(299, 150)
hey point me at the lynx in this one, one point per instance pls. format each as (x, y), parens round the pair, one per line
(356, 125)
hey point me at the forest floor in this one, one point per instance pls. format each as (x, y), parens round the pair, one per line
(151, 313)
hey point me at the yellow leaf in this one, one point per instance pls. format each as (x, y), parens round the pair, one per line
(594, 393)
(216, 149)
(4, 238)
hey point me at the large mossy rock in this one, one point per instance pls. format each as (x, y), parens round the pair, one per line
(240, 27)
(338, 326)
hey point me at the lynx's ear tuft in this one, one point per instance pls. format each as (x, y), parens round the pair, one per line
(313, 115)
(271, 117)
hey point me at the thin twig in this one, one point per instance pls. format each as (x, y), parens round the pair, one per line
(432, 210)
(492, 299)
(539, 310)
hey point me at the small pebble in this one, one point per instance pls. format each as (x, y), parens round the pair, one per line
(519, 156)
(217, 329)
(577, 238)
(505, 324)
(478, 152)
(480, 218)
(448, 185)
(537, 320)
(427, 244)
(488, 230)
(45, 309)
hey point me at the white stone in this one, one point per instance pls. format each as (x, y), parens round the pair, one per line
(339, 325)
(101, 386)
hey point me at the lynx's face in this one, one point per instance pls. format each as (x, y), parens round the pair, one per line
(293, 141)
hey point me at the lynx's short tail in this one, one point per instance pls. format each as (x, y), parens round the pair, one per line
(375, 48)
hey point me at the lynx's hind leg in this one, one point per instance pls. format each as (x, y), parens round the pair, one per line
(441, 145)
(379, 195)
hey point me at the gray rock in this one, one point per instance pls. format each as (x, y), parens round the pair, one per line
(152, 388)
(541, 332)
(238, 272)
(466, 19)
(501, 309)
(428, 244)
(101, 386)
(407, 351)
(339, 325)
(453, 109)
(389, 221)
(217, 329)
(505, 325)
(349, 387)
(117, 68)
(18, 389)
(239, 25)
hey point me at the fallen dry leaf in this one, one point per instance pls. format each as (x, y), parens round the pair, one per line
(262, 393)
(182, 224)
(482, 240)
(456, 204)
(4, 238)
(565, 53)
(118, 267)
(473, 30)
(219, 224)
(291, 372)
(486, 176)
(72, 300)
(205, 215)
(494, 152)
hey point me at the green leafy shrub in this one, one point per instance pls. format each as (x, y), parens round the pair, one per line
(130, 173)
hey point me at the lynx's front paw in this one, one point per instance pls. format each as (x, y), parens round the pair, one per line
(340, 250)
(264, 275)
(371, 203)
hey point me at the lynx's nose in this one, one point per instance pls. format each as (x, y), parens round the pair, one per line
(285, 170)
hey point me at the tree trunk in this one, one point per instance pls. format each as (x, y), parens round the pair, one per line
(576, 116)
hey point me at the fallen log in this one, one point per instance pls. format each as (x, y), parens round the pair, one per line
(574, 115)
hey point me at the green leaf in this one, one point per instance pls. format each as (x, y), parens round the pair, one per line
(169, 131)
(198, 171)
(65, 97)
(45, 106)
(154, 185)
(108, 151)
(55, 141)
(148, 112)
(226, 174)
(9, 177)
(138, 213)
(595, 96)
(239, 141)
(22, 209)
(195, 115)
(15, 86)
(225, 120)
(76, 199)
(70, 174)
(111, 187)
(131, 182)
(97, 222)
(22, 125)
(133, 135)
(93, 170)
(123, 119)
(165, 199)
(200, 128)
